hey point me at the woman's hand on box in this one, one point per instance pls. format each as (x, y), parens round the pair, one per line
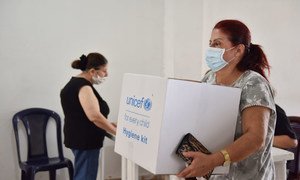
(201, 165)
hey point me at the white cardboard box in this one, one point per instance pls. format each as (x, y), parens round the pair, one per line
(155, 113)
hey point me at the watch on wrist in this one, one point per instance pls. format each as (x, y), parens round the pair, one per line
(227, 160)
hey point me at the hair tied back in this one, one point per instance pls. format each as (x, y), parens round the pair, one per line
(83, 62)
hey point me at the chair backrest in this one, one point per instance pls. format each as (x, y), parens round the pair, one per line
(293, 165)
(35, 121)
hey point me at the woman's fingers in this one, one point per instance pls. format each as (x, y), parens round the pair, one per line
(190, 154)
(185, 173)
(198, 167)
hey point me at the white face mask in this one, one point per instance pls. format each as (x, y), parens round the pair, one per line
(214, 58)
(97, 79)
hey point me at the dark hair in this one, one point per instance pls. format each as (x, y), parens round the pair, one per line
(93, 60)
(254, 57)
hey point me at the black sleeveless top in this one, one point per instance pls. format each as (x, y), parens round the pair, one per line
(79, 131)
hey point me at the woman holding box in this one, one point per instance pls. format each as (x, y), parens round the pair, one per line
(236, 62)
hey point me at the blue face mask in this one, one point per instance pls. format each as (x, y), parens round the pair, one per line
(214, 58)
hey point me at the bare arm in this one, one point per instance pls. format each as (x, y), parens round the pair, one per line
(90, 105)
(284, 142)
(255, 125)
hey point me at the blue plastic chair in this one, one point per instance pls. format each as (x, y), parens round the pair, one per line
(35, 121)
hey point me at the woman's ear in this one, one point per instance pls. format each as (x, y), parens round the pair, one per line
(241, 49)
(91, 71)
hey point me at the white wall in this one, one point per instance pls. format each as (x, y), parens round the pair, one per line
(39, 40)
(182, 39)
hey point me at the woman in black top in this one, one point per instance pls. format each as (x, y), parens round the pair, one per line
(284, 136)
(86, 115)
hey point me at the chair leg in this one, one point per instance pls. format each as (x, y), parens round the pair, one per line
(71, 171)
(27, 175)
(23, 175)
(30, 175)
(52, 174)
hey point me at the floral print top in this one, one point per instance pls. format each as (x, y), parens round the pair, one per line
(256, 91)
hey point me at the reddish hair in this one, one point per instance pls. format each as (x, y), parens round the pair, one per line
(254, 57)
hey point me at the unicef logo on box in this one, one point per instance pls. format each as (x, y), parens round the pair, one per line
(139, 103)
(148, 104)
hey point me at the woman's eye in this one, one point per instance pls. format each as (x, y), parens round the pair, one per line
(215, 44)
